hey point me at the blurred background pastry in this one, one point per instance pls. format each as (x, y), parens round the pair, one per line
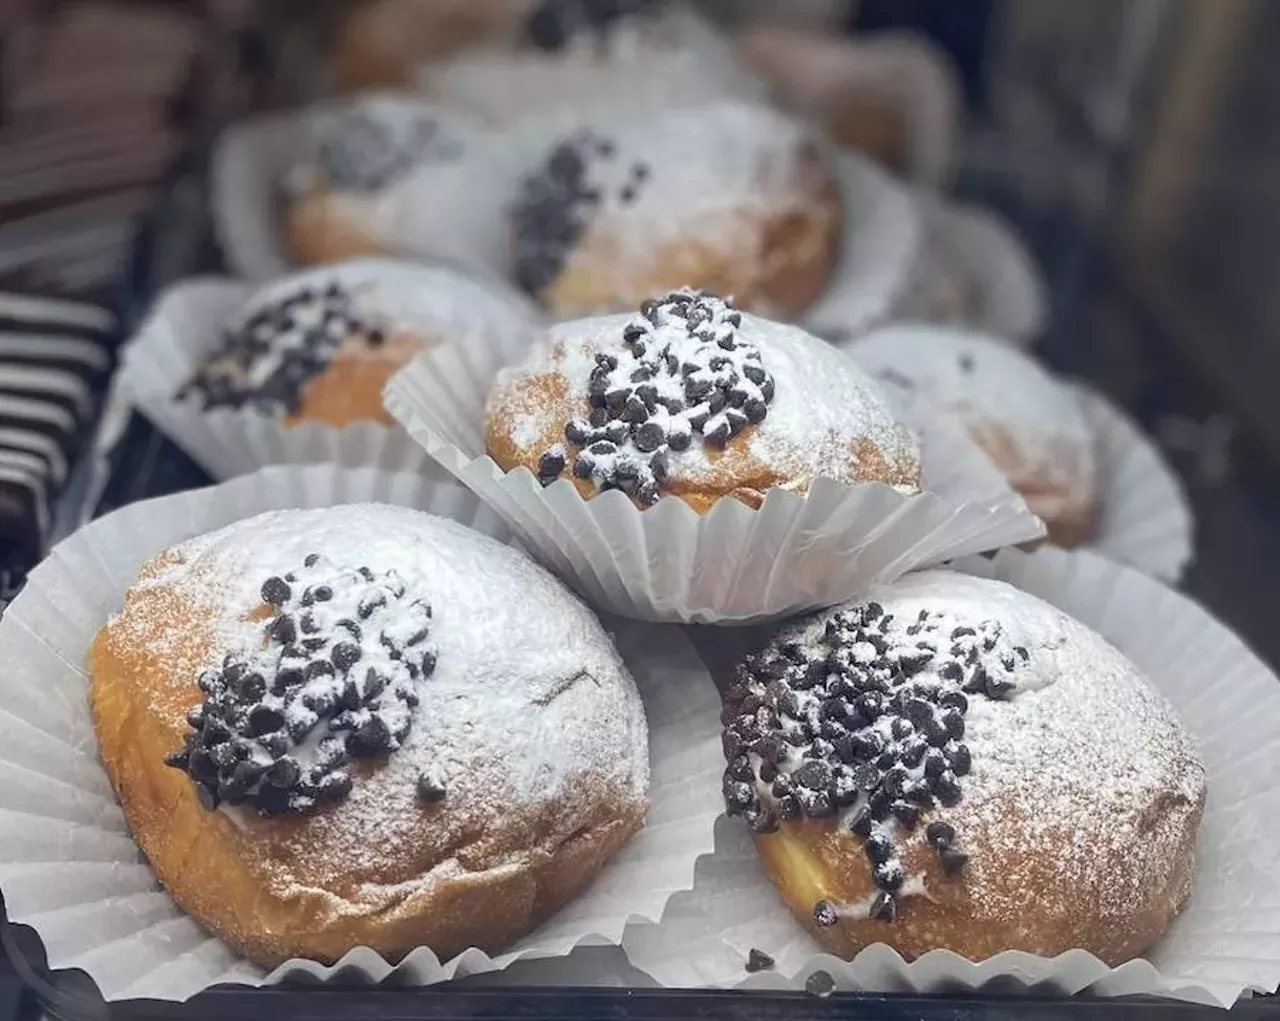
(320, 346)
(735, 198)
(1029, 424)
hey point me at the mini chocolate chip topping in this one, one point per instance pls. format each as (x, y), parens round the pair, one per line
(337, 677)
(363, 152)
(559, 200)
(758, 960)
(268, 359)
(553, 24)
(684, 370)
(865, 726)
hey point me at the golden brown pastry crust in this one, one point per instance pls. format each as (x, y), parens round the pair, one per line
(350, 389)
(267, 887)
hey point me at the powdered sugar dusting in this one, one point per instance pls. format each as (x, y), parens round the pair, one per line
(527, 702)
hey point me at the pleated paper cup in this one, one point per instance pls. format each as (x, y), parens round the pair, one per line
(253, 160)
(68, 867)
(973, 250)
(1146, 520)
(187, 324)
(880, 253)
(1224, 944)
(733, 564)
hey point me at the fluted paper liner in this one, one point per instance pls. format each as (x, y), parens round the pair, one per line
(733, 564)
(1146, 519)
(68, 866)
(1225, 943)
(880, 252)
(186, 324)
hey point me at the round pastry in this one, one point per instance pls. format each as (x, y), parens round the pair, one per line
(384, 42)
(365, 726)
(391, 175)
(320, 346)
(697, 400)
(1029, 424)
(607, 56)
(954, 764)
(733, 198)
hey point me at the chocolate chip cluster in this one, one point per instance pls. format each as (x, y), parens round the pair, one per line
(553, 24)
(683, 370)
(267, 361)
(365, 153)
(337, 676)
(866, 727)
(558, 201)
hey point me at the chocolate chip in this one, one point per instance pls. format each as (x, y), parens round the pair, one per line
(953, 859)
(264, 719)
(758, 960)
(824, 914)
(284, 630)
(906, 813)
(889, 875)
(761, 819)
(311, 560)
(939, 834)
(946, 789)
(954, 700)
(814, 774)
(878, 848)
(861, 822)
(884, 908)
(276, 591)
(959, 759)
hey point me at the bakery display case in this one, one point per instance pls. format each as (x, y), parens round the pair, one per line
(1017, 251)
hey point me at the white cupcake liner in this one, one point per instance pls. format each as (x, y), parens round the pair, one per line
(880, 252)
(733, 564)
(988, 258)
(252, 159)
(1224, 944)
(68, 867)
(187, 324)
(1146, 519)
